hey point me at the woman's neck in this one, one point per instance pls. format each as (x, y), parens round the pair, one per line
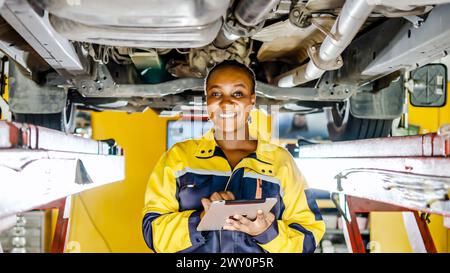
(235, 140)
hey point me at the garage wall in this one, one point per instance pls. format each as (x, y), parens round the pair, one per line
(108, 219)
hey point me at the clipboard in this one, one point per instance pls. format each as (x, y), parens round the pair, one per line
(220, 211)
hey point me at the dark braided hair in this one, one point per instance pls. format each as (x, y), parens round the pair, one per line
(233, 63)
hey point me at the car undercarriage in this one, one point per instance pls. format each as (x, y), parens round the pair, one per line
(348, 58)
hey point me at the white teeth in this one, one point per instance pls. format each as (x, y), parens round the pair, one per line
(227, 115)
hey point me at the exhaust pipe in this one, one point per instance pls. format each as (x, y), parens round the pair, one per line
(252, 12)
(353, 15)
(248, 14)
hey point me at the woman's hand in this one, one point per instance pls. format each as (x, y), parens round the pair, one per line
(253, 228)
(216, 196)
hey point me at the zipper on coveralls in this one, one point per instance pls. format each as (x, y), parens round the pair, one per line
(226, 187)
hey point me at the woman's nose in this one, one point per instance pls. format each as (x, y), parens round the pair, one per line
(226, 103)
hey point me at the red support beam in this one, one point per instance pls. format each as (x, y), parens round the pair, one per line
(425, 232)
(361, 205)
(59, 237)
(353, 230)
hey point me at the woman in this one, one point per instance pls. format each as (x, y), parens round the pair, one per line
(227, 164)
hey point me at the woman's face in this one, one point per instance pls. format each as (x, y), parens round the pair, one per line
(229, 99)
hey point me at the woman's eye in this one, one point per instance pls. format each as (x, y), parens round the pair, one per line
(238, 94)
(215, 94)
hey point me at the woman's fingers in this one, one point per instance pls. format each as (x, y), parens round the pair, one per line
(230, 195)
(206, 203)
(227, 227)
(215, 197)
(224, 195)
(264, 219)
(255, 227)
(270, 217)
(236, 225)
(240, 223)
(260, 216)
(243, 220)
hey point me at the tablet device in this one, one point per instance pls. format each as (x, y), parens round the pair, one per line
(220, 211)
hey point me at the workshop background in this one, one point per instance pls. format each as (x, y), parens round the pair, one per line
(338, 70)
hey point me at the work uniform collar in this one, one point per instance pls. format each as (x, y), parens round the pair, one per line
(208, 148)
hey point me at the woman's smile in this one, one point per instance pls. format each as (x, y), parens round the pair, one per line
(228, 115)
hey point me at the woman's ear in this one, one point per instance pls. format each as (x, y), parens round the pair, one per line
(253, 100)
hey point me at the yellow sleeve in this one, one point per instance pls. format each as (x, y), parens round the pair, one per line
(301, 226)
(164, 227)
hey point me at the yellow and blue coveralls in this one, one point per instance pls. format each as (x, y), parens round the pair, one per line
(196, 168)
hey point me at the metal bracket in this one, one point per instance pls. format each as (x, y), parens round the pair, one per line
(313, 54)
(340, 201)
(300, 16)
(415, 20)
(234, 27)
(425, 217)
(324, 30)
(338, 178)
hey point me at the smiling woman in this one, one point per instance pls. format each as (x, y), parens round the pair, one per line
(230, 96)
(228, 164)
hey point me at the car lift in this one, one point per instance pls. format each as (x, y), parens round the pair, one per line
(41, 168)
(409, 174)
